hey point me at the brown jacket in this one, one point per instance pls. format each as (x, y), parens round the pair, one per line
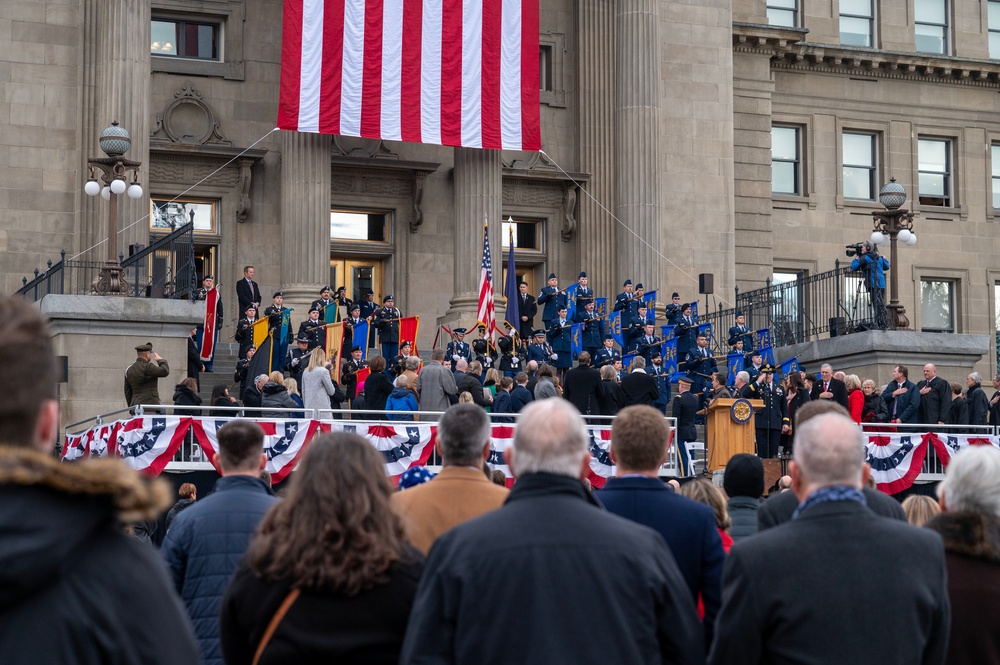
(141, 379)
(456, 495)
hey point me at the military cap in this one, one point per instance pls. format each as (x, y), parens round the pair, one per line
(325, 288)
(552, 275)
(685, 379)
(302, 338)
(675, 295)
(143, 348)
(583, 274)
(628, 282)
(459, 331)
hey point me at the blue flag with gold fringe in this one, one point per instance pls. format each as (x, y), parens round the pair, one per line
(616, 328)
(694, 311)
(571, 301)
(706, 330)
(734, 365)
(767, 355)
(669, 351)
(627, 361)
(601, 306)
(667, 333)
(576, 339)
(790, 365)
(763, 338)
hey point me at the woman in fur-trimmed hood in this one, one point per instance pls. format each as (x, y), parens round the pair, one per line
(73, 587)
(970, 528)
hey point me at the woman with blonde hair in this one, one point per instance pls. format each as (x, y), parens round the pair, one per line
(317, 385)
(333, 556)
(703, 491)
(292, 386)
(919, 508)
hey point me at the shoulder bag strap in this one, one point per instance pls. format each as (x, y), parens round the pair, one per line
(275, 620)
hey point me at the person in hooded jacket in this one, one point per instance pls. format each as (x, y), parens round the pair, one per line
(74, 588)
(186, 394)
(274, 395)
(400, 399)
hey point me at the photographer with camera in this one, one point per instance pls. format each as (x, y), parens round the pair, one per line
(873, 267)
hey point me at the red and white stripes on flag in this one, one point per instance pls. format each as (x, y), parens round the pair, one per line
(485, 314)
(448, 72)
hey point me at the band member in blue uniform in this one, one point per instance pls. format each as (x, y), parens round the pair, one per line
(686, 331)
(539, 350)
(741, 332)
(673, 310)
(635, 304)
(608, 353)
(457, 348)
(753, 367)
(584, 293)
(637, 326)
(560, 337)
(553, 299)
(646, 343)
(662, 376)
(593, 329)
(699, 363)
(623, 299)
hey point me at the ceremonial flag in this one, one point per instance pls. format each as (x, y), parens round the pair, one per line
(206, 343)
(601, 307)
(616, 327)
(361, 338)
(454, 73)
(734, 365)
(649, 297)
(767, 355)
(148, 443)
(334, 345)
(706, 330)
(408, 326)
(261, 361)
(763, 337)
(512, 313)
(284, 339)
(790, 365)
(667, 333)
(694, 311)
(571, 301)
(627, 361)
(485, 315)
(669, 352)
(576, 339)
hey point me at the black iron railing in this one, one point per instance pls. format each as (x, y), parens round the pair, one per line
(834, 303)
(164, 269)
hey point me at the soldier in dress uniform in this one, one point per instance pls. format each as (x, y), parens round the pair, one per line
(313, 329)
(207, 284)
(273, 311)
(349, 372)
(398, 365)
(772, 420)
(656, 369)
(623, 299)
(686, 331)
(457, 348)
(553, 299)
(141, 376)
(483, 351)
(244, 330)
(349, 323)
(240, 376)
(324, 301)
(341, 298)
(368, 305)
(539, 350)
(740, 332)
(584, 293)
(633, 306)
(753, 367)
(297, 358)
(637, 326)
(560, 337)
(699, 363)
(619, 369)
(646, 343)
(511, 361)
(527, 309)
(593, 328)
(673, 310)
(386, 320)
(607, 353)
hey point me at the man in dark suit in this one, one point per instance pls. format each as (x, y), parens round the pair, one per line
(935, 397)
(520, 395)
(829, 388)
(785, 595)
(580, 386)
(247, 291)
(639, 439)
(639, 387)
(528, 309)
(685, 409)
(901, 396)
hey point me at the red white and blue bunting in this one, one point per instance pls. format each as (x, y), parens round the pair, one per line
(897, 459)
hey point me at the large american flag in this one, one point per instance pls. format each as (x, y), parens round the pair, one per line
(449, 72)
(485, 315)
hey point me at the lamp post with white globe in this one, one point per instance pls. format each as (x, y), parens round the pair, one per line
(114, 170)
(892, 223)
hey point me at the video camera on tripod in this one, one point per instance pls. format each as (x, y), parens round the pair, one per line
(855, 249)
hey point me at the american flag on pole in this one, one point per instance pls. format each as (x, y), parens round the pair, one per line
(448, 72)
(485, 315)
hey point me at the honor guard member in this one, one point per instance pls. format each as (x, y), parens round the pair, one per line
(560, 337)
(244, 330)
(539, 350)
(699, 363)
(528, 309)
(584, 293)
(297, 358)
(368, 304)
(637, 302)
(341, 298)
(352, 320)
(593, 328)
(740, 332)
(772, 420)
(637, 327)
(607, 353)
(207, 284)
(656, 369)
(386, 320)
(241, 374)
(646, 343)
(619, 369)
(753, 368)
(313, 329)
(686, 331)
(510, 359)
(553, 299)
(673, 310)
(273, 311)
(399, 362)
(349, 372)
(457, 348)
(324, 301)
(483, 351)
(623, 299)
(141, 376)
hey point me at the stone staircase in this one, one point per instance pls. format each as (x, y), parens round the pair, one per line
(223, 368)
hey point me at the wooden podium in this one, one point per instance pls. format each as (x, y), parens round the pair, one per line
(727, 437)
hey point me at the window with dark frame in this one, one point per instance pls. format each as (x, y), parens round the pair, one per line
(526, 234)
(786, 160)
(937, 305)
(179, 38)
(359, 225)
(783, 13)
(859, 166)
(995, 166)
(545, 83)
(934, 172)
(993, 23)
(930, 26)
(857, 22)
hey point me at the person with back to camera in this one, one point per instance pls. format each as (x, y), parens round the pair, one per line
(873, 268)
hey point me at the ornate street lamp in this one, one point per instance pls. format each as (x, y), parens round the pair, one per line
(892, 223)
(114, 171)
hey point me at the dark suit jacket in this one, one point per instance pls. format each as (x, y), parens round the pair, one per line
(838, 389)
(519, 397)
(779, 508)
(474, 386)
(686, 525)
(685, 409)
(247, 296)
(907, 407)
(529, 309)
(580, 388)
(934, 406)
(639, 388)
(790, 593)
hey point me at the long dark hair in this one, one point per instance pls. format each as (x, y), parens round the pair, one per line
(335, 531)
(218, 391)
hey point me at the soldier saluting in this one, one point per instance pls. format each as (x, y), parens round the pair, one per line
(142, 375)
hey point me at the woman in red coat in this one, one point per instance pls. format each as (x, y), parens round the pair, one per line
(855, 397)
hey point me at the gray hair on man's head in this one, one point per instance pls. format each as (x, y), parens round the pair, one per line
(413, 363)
(461, 365)
(972, 482)
(743, 377)
(261, 377)
(976, 377)
(830, 450)
(550, 437)
(638, 362)
(462, 433)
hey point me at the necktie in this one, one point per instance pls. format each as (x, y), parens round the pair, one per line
(826, 386)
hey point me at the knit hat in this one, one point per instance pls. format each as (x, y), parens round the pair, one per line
(744, 476)
(416, 475)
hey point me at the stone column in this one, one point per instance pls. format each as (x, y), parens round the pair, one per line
(478, 193)
(597, 228)
(116, 86)
(305, 218)
(637, 130)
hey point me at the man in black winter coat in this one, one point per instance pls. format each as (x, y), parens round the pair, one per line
(580, 386)
(979, 405)
(639, 387)
(935, 397)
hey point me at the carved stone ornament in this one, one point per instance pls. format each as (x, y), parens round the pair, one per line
(188, 119)
(352, 146)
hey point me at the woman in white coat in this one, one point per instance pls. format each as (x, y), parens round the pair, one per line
(317, 386)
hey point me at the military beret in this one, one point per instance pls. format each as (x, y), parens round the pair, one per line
(355, 306)
(355, 348)
(278, 294)
(387, 299)
(341, 288)
(142, 348)
(325, 288)
(313, 309)
(207, 277)
(405, 342)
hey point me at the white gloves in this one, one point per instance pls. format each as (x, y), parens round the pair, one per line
(554, 356)
(454, 357)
